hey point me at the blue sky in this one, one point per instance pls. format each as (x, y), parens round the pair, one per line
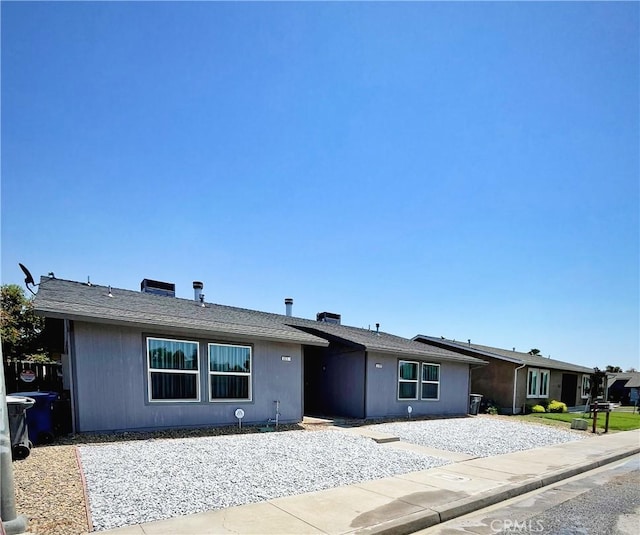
(451, 169)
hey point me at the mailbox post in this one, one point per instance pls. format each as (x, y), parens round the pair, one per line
(600, 407)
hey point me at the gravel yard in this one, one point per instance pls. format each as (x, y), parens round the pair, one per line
(49, 491)
(482, 437)
(130, 481)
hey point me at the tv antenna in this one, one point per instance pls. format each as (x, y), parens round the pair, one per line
(28, 280)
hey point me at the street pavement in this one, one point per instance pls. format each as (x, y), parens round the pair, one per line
(604, 501)
(410, 502)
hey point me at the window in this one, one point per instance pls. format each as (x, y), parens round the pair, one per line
(407, 380)
(537, 383)
(430, 381)
(229, 372)
(586, 386)
(173, 370)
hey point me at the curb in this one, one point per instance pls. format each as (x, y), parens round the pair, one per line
(430, 517)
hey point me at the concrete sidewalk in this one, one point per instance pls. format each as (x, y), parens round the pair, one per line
(409, 502)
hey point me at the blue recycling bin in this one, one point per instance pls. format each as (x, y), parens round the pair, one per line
(40, 416)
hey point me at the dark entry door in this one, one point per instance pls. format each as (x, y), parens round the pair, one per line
(569, 389)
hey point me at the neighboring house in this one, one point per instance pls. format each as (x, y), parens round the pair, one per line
(149, 360)
(514, 379)
(623, 387)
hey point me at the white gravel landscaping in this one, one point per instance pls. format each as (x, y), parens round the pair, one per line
(480, 436)
(146, 480)
(142, 481)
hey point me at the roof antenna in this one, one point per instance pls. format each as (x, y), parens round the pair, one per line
(110, 294)
(202, 300)
(28, 280)
(88, 281)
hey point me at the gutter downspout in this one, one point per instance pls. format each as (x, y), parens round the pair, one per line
(515, 386)
(70, 349)
(366, 383)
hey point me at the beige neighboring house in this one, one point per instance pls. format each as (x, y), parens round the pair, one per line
(514, 379)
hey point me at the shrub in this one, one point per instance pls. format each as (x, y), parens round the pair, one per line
(537, 408)
(557, 406)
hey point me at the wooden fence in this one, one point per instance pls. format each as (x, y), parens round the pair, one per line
(24, 376)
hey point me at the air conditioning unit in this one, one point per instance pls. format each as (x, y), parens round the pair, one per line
(328, 317)
(150, 286)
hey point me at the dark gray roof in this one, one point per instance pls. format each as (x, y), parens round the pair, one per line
(380, 341)
(631, 379)
(79, 301)
(505, 354)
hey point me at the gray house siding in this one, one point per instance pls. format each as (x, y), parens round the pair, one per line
(382, 388)
(110, 376)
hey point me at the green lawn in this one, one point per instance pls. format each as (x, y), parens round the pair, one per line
(618, 421)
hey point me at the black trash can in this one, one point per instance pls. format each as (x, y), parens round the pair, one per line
(18, 430)
(474, 403)
(40, 417)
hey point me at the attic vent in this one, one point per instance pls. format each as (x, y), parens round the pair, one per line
(150, 286)
(328, 317)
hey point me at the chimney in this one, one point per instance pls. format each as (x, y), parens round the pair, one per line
(197, 291)
(288, 304)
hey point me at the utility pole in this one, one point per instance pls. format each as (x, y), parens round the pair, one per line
(12, 523)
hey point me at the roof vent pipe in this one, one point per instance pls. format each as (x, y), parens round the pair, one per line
(288, 304)
(197, 291)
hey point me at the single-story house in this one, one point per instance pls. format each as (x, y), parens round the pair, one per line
(620, 387)
(372, 374)
(148, 360)
(514, 379)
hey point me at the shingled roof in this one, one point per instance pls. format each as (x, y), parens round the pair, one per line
(380, 341)
(631, 379)
(59, 298)
(509, 355)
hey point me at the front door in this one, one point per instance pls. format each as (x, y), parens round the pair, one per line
(569, 389)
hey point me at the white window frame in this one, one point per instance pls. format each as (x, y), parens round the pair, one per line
(416, 382)
(586, 386)
(536, 378)
(423, 382)
(151, 370)
(236, 374)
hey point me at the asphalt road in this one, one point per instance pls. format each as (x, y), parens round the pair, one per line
(605, 501)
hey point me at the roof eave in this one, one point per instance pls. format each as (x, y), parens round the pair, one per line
(455, 346)
(157, 325)
(426, 354)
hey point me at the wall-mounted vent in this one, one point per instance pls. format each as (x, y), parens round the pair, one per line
(328, 317)
(150, 286)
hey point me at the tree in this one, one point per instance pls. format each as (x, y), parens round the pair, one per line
(613, 369)
(20, 327)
